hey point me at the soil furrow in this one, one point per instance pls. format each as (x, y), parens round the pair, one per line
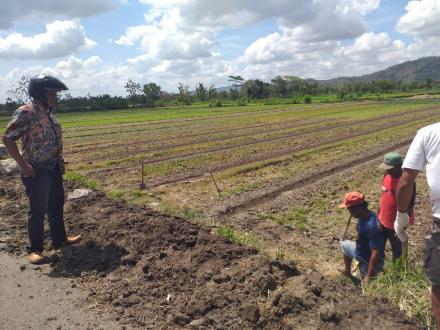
(283, 125)
(263, 157)
(311, 178)
(204, 118)
(180, 120)
(284, 137)
(183, 144)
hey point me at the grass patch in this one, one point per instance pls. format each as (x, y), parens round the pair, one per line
(407, 287)
(294, 218)
(187, 212)
(280, 253)
(236, 236)
(137, 194)
(240, 189)
(83, 180)
(115, 194)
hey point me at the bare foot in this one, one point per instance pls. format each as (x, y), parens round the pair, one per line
(344, 272)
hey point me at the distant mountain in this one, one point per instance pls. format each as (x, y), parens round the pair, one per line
(411, 71)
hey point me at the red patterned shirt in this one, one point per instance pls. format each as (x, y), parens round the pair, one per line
(40, 135)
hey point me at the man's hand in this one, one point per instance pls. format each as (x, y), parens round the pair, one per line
(27, 170)
(400, 225)
(366, 280)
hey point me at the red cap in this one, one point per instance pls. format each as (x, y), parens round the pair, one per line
(352, 198)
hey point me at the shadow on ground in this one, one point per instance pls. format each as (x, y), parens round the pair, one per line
(73, 261)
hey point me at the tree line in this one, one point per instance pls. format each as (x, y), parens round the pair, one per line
(151, 95)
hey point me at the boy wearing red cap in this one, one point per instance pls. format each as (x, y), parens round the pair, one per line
(369, 246)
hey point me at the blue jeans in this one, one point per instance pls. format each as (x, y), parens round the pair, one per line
(349, 249)
(46, 196)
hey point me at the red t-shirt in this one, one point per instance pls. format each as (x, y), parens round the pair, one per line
(388, 204)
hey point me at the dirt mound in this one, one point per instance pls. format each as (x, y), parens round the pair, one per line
(162, 272)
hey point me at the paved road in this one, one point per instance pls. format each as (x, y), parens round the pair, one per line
(31, 299)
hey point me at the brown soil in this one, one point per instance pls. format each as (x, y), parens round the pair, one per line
(159, 145)
(265, 195)
(162, 272)
(312, 141)
(323, 228)
(360, 125)
(142, 122)
(182, 139)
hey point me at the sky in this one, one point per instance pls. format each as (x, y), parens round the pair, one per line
(95, 46)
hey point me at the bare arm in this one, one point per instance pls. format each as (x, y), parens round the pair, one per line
(405, 189)
(11, 147)
(372, 264)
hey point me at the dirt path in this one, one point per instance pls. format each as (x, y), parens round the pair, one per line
(31, 299)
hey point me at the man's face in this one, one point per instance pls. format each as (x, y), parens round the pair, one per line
(395, 171)
(51, 98)
(355, 211)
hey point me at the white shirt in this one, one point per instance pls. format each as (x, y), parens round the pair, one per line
(425, 150)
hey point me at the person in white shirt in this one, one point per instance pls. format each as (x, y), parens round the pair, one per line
(424, 150)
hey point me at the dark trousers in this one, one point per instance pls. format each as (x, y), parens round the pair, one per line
(46, 196)
(396, 244)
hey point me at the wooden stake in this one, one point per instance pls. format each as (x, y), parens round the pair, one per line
(405, 253)
(215, 183)
(346, 229)
(142, 185)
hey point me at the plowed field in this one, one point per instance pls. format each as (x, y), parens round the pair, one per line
(280, 173)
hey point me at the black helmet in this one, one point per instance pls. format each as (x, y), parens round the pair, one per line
(40, 84)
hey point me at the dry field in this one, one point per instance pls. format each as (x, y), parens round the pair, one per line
(280, 172)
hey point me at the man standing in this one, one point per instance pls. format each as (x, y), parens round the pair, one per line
(424, 150)
(392, 164)
(369, 246)
(41, 163)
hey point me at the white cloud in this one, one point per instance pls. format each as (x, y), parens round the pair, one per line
(60, 39)
(365, 6)
(12, 12)
(91, 75)
(95, 76)
(370, 52)
(179, 42)
(422, 18)
(187, 29)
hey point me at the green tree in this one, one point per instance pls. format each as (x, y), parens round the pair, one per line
(134, 90)
(279, 87)
(234, 94)
(256, 89)
(20, 94)
(212, 93)
(429, 82)
(184, 95)
(201, 92)
(237, 81)
(152, 94)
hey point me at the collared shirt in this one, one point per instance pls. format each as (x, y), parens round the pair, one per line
(369, 237)
(40, 135)
(425, 150)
